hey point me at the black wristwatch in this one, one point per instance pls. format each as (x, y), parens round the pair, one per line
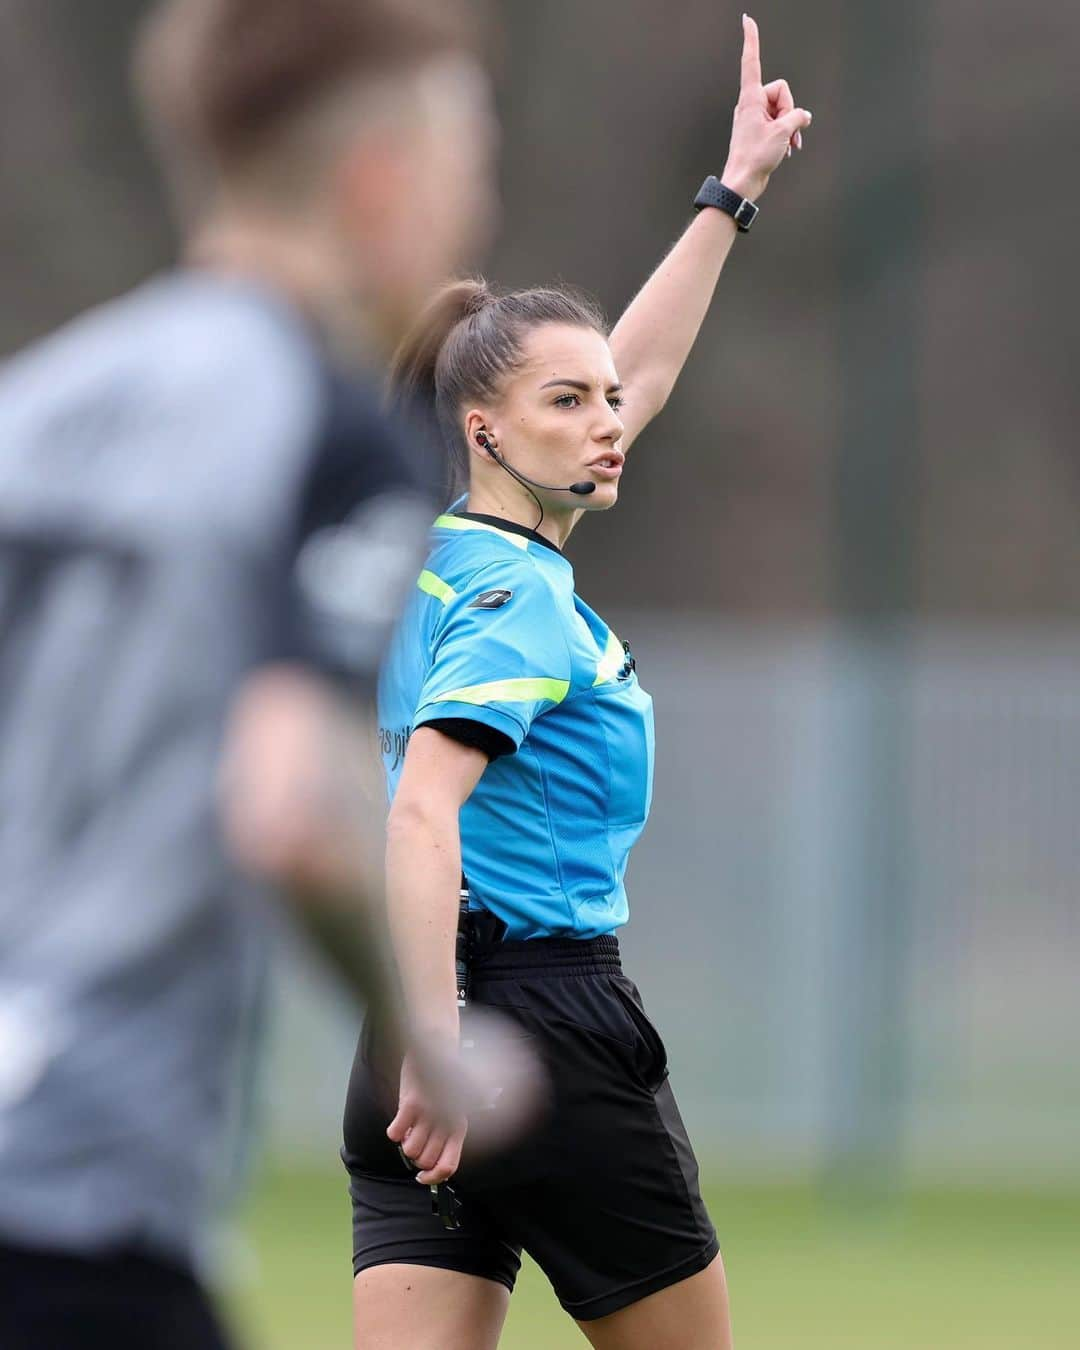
(741, 209)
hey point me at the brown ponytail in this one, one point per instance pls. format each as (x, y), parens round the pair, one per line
(412, 369)
(467, 341)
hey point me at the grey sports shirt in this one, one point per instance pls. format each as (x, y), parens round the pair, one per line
(186, 491)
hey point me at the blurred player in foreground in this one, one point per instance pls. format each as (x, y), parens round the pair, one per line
(201, 509)
(519, 747)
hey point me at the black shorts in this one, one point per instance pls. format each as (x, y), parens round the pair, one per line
(604, 1192)
(124, 1301)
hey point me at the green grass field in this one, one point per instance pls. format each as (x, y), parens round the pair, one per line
(938, 1271)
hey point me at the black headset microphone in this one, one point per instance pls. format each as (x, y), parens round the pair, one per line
(584, 489)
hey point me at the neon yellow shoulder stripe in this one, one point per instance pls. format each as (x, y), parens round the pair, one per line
(433, 585)
(456, 523)
(508, 691)
(612, 661)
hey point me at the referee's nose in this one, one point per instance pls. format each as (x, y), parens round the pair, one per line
(612, 427)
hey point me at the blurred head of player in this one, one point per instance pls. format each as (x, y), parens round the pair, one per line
(344, 149)
(528, 374)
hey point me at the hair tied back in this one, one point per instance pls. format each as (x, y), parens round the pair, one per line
(449, 359)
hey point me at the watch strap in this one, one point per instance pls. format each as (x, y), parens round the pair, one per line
(741, 209)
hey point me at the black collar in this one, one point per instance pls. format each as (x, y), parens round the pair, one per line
(512, 527)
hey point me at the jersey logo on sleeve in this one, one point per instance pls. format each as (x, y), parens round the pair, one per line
(491, 599)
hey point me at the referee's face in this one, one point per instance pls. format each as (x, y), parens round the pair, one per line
(558, 419)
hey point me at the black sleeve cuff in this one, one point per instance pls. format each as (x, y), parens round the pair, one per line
(476, 734)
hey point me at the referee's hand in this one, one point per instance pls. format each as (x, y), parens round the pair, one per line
(431, 1123)
(491, 1089)
(767, 126)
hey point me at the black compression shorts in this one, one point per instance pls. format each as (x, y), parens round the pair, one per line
(603, 1194)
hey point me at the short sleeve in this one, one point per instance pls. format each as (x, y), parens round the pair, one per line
(362, 524)
(476, 735)
(500, 655)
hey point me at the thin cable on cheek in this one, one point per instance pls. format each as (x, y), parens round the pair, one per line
(536, 499)
(540, 504)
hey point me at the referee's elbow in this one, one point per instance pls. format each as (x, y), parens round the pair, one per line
(416, 817)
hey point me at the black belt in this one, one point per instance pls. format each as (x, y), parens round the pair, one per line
(560, 956)
(483, 950)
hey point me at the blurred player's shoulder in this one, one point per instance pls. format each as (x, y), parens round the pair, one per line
(192, 400)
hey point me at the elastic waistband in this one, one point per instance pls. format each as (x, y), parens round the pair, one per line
(567, 956)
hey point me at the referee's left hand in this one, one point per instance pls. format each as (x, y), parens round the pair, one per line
(494, 1090)
(767, 126)
(430, 1137)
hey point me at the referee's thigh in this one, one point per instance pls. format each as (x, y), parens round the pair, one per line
(402, 1307)
(690, 1315)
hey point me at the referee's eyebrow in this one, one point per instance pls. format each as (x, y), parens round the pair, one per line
(580, 384)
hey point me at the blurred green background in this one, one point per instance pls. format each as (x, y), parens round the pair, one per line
(974, 1270)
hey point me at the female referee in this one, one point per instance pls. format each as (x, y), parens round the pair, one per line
(518, 746)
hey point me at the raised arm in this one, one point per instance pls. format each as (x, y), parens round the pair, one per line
(652, 340)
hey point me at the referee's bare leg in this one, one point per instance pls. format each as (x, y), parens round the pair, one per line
(427, 1309)
(404, 1307)
(690, 1315)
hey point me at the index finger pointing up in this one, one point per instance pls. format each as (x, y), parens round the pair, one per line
(751, 54)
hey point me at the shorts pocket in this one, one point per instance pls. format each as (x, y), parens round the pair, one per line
(581, 1001)
(652, 1061)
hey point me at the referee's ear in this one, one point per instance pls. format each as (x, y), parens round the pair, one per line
(481, 435)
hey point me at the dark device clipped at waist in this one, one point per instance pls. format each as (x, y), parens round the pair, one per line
(445, 1201)
(461, 946)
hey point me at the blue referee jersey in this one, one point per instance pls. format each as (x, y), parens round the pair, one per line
(496, 649)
